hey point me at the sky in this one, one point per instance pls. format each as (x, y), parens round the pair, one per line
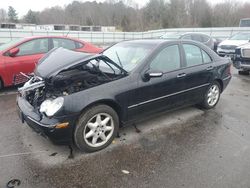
(22, 6)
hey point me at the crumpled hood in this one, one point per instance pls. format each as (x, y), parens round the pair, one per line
(59, 59)
(233, 42)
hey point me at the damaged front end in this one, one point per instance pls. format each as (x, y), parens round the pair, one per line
(59, 74)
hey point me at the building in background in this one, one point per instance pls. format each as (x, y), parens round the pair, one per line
(57, 27)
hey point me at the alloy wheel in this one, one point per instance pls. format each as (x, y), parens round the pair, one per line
(213, 95)
(98, 130)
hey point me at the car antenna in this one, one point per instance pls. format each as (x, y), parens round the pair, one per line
(118, 58)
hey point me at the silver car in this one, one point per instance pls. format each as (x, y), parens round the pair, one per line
(200, 37)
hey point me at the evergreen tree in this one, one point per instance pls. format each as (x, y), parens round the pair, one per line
(12, 15)
(31, 17)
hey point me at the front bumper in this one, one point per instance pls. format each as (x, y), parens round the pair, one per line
(242, 65)
(226, 53)
(46, 126)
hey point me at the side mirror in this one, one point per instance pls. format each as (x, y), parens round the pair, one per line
(13, 52)
(152, 74)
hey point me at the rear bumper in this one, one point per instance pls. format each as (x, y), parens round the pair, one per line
(242, 65)
(46, 126)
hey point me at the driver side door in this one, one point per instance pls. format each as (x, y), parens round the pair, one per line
(159, 93)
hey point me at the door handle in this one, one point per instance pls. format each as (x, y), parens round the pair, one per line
(181, 75)
(209, 68)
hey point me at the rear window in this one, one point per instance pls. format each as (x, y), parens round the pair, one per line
(65, 43)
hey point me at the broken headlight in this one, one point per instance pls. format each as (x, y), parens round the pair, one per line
(51, 106)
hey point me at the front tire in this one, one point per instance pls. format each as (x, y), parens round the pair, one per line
(96, 128)
(212, 96)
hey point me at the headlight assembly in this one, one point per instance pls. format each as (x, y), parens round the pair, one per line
(50, 107)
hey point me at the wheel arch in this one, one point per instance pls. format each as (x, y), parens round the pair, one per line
(221, 84)
(109, 102)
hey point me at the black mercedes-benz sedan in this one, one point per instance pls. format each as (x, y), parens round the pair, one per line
(80, 98)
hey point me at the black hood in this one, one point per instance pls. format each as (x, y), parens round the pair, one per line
(59, 59)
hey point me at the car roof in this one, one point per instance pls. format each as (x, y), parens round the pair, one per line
(50, 36)
(148, 41)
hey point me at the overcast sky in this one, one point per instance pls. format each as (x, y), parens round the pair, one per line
(22, 6)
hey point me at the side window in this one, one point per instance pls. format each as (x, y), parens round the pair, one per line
(65, 43)
(79, 45)
(193, 55)
(36, 46)
(197, 38)
(206, 57)
(187, 37)
(167, 60)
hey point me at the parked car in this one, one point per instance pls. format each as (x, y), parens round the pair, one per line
(242, 59)
(227, 47)
(217, 41)
(22, 55)
(199, 37)
(84, 99)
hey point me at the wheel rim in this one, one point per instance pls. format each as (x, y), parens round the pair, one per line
(98, 130)
(213, 95)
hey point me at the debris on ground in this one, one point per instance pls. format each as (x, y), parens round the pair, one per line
(53, 154)
(71, 155)
(125, 172)
(136, 129)
(13, 183)
(118, 135)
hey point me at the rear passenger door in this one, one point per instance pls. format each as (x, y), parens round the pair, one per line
(198, 71)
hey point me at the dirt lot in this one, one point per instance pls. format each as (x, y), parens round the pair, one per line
(185, 148)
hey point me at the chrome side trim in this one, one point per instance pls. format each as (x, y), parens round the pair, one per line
(165, 96)
(228, 77)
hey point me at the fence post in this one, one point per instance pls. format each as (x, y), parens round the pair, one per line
(10, 35)
(102, 38)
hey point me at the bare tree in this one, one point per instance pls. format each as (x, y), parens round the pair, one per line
(3, 15)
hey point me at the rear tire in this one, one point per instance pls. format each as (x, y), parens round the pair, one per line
(212, 96)
(242, 72)
(96, 128)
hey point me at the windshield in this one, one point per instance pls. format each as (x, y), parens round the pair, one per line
(10, 43)
(128, 55)
(241, 36)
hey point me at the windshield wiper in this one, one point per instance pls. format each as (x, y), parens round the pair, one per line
(119, 59)
(115, 64)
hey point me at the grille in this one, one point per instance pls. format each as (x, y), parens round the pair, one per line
(228, 47)
(246, 53)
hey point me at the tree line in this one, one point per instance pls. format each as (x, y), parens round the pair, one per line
(126, 15)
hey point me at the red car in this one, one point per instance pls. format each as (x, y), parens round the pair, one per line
(21, 55)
